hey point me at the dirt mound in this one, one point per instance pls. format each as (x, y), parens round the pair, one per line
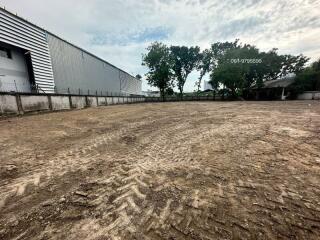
(163, 171)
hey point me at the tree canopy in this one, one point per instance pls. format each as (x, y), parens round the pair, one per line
(233, 66)
(138, 76)
(184, 61)
(308, 79)
(204, 66)
(240, 67)
(158, 60)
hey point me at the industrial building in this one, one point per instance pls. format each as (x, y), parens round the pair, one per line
(33, 59)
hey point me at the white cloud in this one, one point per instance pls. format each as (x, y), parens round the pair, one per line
(119, 31)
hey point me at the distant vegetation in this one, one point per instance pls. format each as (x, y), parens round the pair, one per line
(233, 67)
(308, 79)
(138, 76)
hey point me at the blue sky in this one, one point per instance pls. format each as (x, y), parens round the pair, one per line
(120, 30)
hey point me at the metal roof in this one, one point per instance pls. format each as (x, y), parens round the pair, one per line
(283, 82)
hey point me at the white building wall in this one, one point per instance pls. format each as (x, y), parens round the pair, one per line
(13, 72)
(311, 95)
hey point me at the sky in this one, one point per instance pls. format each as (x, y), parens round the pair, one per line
(119, 31)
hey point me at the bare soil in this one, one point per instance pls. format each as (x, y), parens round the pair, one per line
(197, 170)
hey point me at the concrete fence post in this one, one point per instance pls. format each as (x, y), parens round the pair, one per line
(50, 103)
(70, 102)
(19, 104)
(87, 101)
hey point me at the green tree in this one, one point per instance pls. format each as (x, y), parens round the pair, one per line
(316, 65)
(138, 76)
(276, 66)
(241, 75)
(169, 91)
(209, 58)
(204, 66)
(308, 79)
(231, 74)
(230, 71)
(219, 49)
(184, 60)
(158, 60)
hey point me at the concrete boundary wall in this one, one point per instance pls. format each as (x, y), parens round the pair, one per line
(34, 103)
(79, 102)
(102, 101)
(60, 103)
(109, 100)
(311, 95)
(24, 103)
(92, 102)
(8, 105)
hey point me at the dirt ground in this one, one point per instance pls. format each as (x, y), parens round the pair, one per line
(196, 170)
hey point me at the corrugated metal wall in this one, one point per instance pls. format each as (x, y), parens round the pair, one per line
(19, 33)
(129, 84)
(60, 65)
(76, 69)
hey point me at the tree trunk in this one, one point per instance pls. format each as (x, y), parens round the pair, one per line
(180, 90)
(180, 86)
(234, 94)
(199, 83)
(162, 95)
